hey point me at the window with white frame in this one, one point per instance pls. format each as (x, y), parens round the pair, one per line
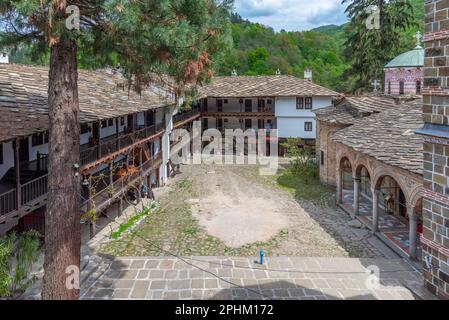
(308, 126)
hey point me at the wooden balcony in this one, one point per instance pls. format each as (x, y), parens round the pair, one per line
(34, 193)
(182, 118)
(111, 146)
(264, 115)
(33, 188)
(108, 193)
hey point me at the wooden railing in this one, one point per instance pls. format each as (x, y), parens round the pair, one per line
(114, 144)
(29, 191)
(37, 188)
(89, 155)
(34, 189)
(8, 202)
(185, 115)
(120, 185)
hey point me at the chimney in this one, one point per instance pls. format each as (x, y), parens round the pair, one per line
(4, 58)
(308, 74)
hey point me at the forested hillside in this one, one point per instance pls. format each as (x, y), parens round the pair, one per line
(259, 50)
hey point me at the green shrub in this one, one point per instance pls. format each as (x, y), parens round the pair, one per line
(6, 252)
(24, 250)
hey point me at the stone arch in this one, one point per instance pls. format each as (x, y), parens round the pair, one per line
(416, 196)
(364, 179)
(342, 157)
(395, 197)
(362, 163)
(382, 172)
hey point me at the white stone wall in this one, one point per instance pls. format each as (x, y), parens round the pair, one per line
(291, 121)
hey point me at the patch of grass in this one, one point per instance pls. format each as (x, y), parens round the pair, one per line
(132, 221)
(305, 187)
(184, 185)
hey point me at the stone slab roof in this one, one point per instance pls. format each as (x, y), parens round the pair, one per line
(262, 86)
(350, 109)
(389, 136)
(102, 95)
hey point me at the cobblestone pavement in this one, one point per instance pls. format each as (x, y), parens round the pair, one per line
(226, 278)
(206, 206)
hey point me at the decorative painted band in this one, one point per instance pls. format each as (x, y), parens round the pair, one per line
(435, 91)
(435, 246)
(435, 196)
(435, 140)
(440, 35)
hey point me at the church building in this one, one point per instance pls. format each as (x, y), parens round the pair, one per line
(404, 74)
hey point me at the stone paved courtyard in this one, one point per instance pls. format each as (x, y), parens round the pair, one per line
(220, 217)
(231, 210)
(226, 278)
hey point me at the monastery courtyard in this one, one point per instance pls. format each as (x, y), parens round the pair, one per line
(217, 218)
(231, 210)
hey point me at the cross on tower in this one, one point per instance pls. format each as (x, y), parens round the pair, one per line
(418, 37)
(375, 85)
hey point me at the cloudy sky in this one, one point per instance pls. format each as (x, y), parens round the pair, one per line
(292, 15)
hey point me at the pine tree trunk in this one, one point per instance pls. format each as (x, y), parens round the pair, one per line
(62, 218)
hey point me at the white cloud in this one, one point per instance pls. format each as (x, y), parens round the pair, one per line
(292, 15)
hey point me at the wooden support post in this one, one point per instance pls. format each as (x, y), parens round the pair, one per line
(111, 173)
(38, 161)
(98, 134)
(141, 160)
(16, 146)
(117, 142)
(92, 224)
(121, 206)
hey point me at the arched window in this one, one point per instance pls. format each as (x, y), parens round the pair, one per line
(389, 87)
(418, 87)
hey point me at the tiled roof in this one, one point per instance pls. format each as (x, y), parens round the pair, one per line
(335, 115)
(102, 95)
(349, 109)
(389, 136)
(262, 86)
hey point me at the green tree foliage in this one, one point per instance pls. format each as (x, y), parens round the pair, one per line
(17, 256)
(370, 49)
(303, 161)
(259, 50)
